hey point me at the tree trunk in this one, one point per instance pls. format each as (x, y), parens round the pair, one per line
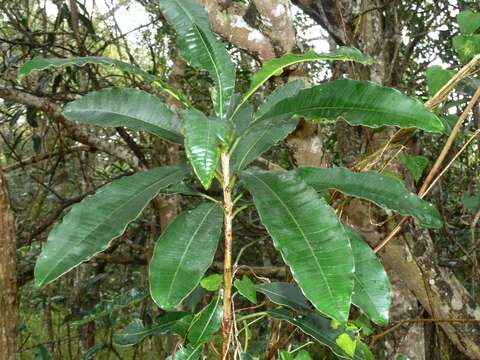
(8, 276)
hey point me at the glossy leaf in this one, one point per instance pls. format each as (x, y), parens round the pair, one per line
(182, 325)
(206, 323)
(359, 103)
(372, 291)
(415, 164)
(382, 190)
(309, 236)
(242, 119)
(468, 21)
(200, 48)
(212, 282)
(257, 139)
(135, 332)
(106, 307)
(284, 294)
(322, 330)
(203, 137)
(288, 90)
(246, 288)
(38, 64)
(275, 67)
(183, 254)
(92, 224)
(131, 108)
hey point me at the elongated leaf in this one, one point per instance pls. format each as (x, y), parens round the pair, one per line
(38, 64)
(275, 66)
(93, 223)
(359, 103)
(183, 254)
(134, 109)
(135, 332)
(322, 330)
(106, 307)
(281, 93)
(201, 49)
(382, 190)
(206, 323)
(285, 294)
(203, 137)
(261, 136)
(257, 139)
(372, 291)
(309, 236)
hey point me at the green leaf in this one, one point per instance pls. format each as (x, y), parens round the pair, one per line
(206, 323)
(416, 164)
(106, 307)
(467, 46)
(187, 353)
(182, 325)
(92, 224)
(437, 77)
(372, 291)
(303, 355)
(92, 352)
(131, 108)
(471, 202)
(347, 344)
(201, 49)
(135, 332)
(212, 282)
(309, 236)
(359, 103)
(369, 185)
(284, 294)
(320, 328)
(246, 288)
(42, 353)
(183, 254)
(242, 119)
(468, 21)
(257, 139)
(203, 137)
(288, 90)
(275, 67)
(38, 64)
(285, 355)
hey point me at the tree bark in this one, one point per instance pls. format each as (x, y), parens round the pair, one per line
(8, 276)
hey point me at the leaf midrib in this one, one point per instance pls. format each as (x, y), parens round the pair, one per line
(118, 209)
(306, 240)
(185, 252)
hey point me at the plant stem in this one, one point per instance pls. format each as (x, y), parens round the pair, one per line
(227, 185)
